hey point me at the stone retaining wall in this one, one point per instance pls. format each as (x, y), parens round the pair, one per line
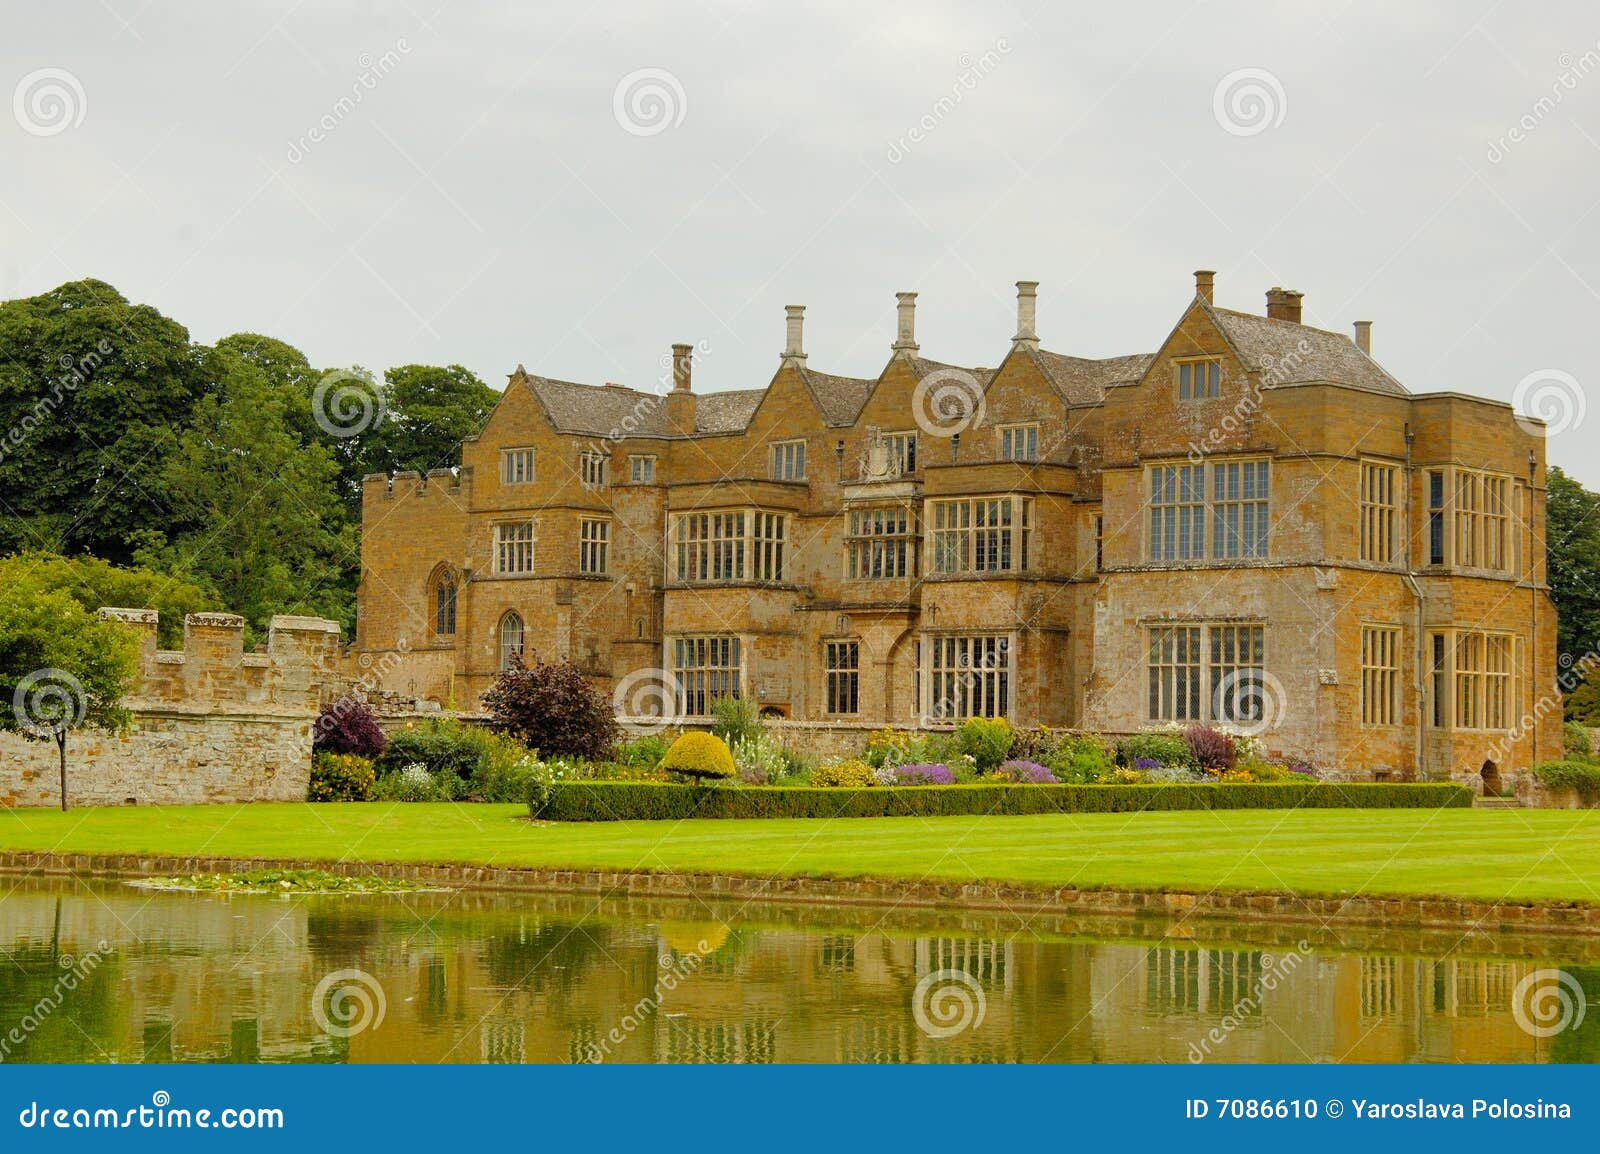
(1383, 912)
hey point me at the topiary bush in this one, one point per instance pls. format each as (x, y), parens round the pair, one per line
(987, 740)
(1161, 748)
(340, 777)
(849, 774)
(554, 709)
(347, 726)
(702, 755)
(1213, 750)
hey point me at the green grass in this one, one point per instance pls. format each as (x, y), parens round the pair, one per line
(1518, 855)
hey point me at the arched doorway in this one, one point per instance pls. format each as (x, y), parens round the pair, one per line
(1490, 773)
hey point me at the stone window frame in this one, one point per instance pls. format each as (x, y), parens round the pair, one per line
(735, 545)
(873, 548)
(1190, 670)
(443, 615)
(1019, 441)
(841, 675)
(1381, 666)
(902, 446)
(593, 468)
(1188, 521)
(510, 625)
(642, 468)
(786, 460)
(1183, 382)
(945, 665)
(519, 465)
(1380, 508)
(509, 548)
(594, 546)
(979, 535)
(1474, 679)
(704, 666)
(1474, 522)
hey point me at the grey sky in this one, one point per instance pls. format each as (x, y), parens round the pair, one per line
(483, 203)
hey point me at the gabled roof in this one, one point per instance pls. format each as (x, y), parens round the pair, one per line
(726, 412)
(1083, 381)
(841, 399)
(616, 411)
(1287, 353)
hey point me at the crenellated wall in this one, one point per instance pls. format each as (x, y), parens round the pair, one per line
(211, 723)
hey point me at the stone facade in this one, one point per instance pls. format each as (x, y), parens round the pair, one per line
(211, 723)
(1254, 525)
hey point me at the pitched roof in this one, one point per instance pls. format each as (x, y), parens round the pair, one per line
(617, 411)
(726, 412)
(1287, 353)
(840, 398)
(1083, 381)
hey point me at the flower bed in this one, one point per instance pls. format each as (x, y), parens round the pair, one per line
(654, 801)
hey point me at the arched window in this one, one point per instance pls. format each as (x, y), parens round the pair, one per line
(444, 604)
(510, 639)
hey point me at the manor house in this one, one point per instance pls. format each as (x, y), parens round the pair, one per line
(1254, 525)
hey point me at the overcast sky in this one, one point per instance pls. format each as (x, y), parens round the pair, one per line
(576, 186)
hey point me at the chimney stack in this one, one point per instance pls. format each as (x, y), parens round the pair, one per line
(1364, 336)
(1027, 306)
(1283, 304)
(905, 335)
(1205, 281)
(794, 348)
(681, 401)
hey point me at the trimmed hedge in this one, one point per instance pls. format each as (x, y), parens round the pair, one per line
(656, 801)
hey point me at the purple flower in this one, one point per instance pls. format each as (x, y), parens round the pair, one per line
(1146, 763)
(1026, 773)
(926, 774)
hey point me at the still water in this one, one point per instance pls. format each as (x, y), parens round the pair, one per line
(475, 977)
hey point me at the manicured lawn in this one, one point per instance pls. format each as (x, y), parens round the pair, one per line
(1515, 854)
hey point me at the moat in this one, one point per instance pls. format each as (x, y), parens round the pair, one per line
(475, 977)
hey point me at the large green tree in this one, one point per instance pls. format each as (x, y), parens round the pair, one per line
(95, 583)
(429, 411)
(91, 388)
(1573, 538)
(61, 667)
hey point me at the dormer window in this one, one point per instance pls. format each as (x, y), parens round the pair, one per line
(1199, 380)
(516, 466)
(1019, 442)
(788, 461)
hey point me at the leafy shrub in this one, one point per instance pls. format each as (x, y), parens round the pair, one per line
(1575, 743)
(758, 759)
(795, 767)
(1080, 760)
(347, 726)
(735, 719)
(1582, 777)
(889, 747)
(923, 775)
(440, 745)
(1025, 773)
(1162, 748)
(650, 801)
(340, 777)
(1213, 750)
(643, 752)
(851, 774)
(987, 740)
(1041, 744)
(554, 709)
(1154, 774)
(699, 755)
(410, 783)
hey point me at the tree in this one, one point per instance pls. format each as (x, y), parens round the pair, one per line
(1573, 552)
(90, 388)
(259, 512)
(429, 412)
(94, 583)
(554, 709)
(61, 667)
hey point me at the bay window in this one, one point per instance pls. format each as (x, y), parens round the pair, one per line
(982, 535)
(727, 545)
